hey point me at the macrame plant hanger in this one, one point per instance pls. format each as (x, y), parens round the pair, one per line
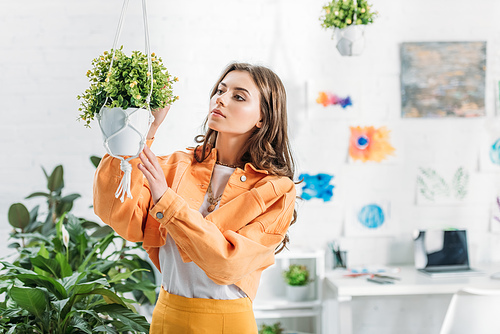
(125, 166)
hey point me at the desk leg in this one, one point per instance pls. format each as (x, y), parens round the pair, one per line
(344, 315)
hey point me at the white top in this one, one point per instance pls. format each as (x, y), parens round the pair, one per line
(187, 279)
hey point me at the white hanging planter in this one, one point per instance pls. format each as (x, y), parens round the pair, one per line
(135, 124)
(350, 40)
(297, 293)
(124, 133)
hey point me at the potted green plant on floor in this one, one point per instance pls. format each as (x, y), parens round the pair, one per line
(297, 279)
(348, 19)
(70, 275)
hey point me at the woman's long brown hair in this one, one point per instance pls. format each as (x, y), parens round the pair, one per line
(268, 148)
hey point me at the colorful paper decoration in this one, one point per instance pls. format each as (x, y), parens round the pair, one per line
(327, 99)
(371, 216)
(434, 188)
(317, 186)
(495, 152)
(370, 144)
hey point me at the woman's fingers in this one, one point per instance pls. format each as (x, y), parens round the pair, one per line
(146, 173)
(152, 158)
(147, 164)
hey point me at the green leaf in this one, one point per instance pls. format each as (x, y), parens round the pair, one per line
(19, 216)
(90, 224)
(95, 160)
(135, 321)
(65, 267)
(16, 269)
(56, 180)
(49, 265)
(122, 276)
(32, 300)
(38, 194)
(85, 288)
(45, 172)
(105, 329)
(43, 252)
(70, 198)
(102, 231)
(71, 281)
(49, 283)
(36, 236)
(81, 324)
(108, 295)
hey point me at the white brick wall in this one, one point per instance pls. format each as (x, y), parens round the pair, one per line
(46, 48)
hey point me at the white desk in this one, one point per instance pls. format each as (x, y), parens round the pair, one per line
(411, 282)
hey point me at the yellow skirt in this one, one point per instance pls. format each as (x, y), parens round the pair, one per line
(180, 315)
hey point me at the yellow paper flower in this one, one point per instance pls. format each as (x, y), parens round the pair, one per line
(370, 144)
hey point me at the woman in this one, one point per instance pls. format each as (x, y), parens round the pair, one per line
(211, 218)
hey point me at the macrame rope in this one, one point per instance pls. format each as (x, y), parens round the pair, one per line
(125, 166)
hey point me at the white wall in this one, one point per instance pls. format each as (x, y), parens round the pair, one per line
(46, 48)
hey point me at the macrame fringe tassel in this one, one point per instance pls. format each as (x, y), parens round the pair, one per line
(124, 186)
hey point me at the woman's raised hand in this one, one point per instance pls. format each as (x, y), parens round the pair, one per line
(153, 173)
(159, 115)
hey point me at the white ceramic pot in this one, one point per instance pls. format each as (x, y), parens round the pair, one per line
(135, 122)
(297, 293)
(350, 40)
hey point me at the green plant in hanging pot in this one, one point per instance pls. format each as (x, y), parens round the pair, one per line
(125, 84)
(123, 91)
(348, 19)
(120, 88)
(297, 279)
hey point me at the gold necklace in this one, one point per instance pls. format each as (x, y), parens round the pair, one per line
(227, 165)
(210, 198)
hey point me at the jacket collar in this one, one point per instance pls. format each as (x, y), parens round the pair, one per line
(212, 158)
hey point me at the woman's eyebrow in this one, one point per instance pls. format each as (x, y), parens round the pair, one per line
(237, 88)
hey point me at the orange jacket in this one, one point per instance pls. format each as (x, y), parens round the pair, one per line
(233, 244)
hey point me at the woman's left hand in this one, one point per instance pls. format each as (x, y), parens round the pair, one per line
(153, 173)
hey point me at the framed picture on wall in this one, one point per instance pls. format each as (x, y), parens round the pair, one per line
(443, 79)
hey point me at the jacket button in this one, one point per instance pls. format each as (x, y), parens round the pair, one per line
(243, 178)
(159, 215)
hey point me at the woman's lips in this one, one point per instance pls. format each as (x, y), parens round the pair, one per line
(217, 113)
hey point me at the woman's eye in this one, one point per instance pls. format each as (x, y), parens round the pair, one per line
(219, 92)
(239, 98)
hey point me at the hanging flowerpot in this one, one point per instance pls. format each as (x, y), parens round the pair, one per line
(123, 130)
(123, 91)
(350, 40)
(348, 19)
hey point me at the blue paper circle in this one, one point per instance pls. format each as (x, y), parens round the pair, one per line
(371, 216)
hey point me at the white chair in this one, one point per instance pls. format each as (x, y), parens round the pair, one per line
(473, 311)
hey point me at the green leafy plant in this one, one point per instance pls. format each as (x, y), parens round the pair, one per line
(127, 85)
(340, 14)
(296, 275)
(271, 329)
(71, 275)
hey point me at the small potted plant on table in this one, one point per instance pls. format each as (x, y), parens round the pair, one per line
(297, 279)
(348, 19)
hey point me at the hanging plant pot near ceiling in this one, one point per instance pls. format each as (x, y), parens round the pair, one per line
(123, 91)
(348, 19)
(350, 40)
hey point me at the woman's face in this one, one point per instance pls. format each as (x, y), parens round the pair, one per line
(235, 107)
